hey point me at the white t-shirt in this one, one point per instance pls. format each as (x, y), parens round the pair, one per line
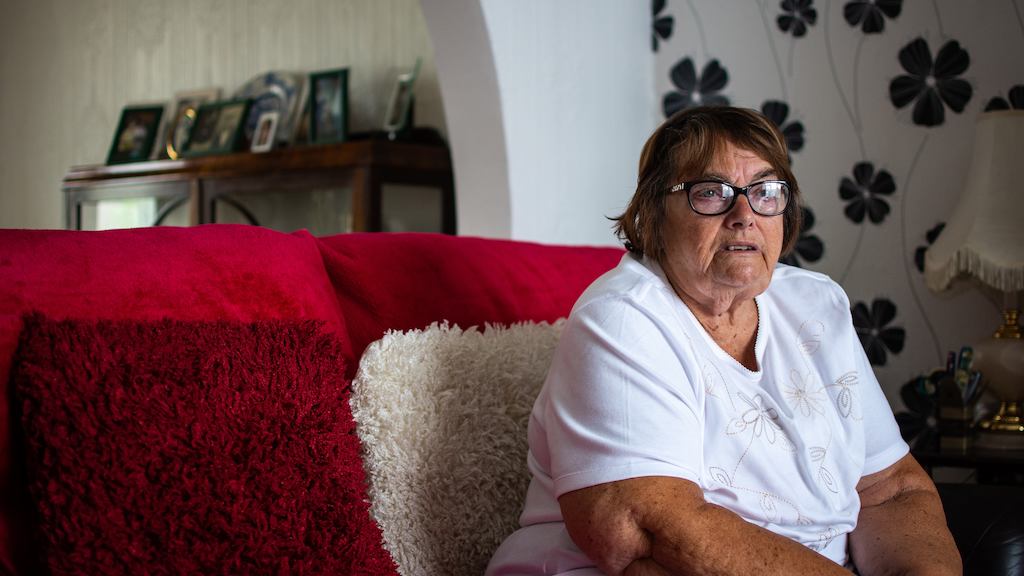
(638, 388)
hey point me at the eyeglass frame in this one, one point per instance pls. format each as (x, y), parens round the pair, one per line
(737, 192)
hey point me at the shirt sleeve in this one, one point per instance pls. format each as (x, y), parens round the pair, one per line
(883, 444)
(620, 404)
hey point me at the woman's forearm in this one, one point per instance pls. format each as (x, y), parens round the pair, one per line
(901, 528)
(656, 526)
(729, 544)
(905, 534)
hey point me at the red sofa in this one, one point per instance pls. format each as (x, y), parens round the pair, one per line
(357, 285)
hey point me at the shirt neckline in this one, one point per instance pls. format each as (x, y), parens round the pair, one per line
(760, 340)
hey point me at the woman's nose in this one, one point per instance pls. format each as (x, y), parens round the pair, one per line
(741, 215)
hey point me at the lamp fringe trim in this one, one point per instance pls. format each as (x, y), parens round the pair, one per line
(967, 261)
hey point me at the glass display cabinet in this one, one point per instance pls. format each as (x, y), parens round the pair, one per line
(357, 186)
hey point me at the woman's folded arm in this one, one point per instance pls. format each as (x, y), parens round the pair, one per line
(663, 525)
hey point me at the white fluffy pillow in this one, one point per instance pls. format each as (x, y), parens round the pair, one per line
(442, 415)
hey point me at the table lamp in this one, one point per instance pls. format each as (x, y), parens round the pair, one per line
(984, 240)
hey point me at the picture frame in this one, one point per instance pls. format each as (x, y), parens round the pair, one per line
(328, 106)
(276, 91)
(136, 132)
(266, 131)
(398, 114)
(181, 119)
(218, 128)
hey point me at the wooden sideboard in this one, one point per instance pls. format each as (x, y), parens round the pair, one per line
(364, 169)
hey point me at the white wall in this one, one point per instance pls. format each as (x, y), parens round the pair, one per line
(69, 66)
(574, 96)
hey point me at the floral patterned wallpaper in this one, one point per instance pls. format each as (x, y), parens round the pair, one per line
(877, 101)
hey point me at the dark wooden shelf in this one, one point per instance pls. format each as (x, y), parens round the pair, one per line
(365, 165)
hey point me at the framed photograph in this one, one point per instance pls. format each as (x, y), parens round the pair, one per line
(181, 118)
(281, 92)
(218, 128)
(135, 134)
(328, 106)
(398, 115)
(266, 129)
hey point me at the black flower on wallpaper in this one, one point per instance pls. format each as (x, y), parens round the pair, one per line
(930, 236)
(917, 424)
(662, 24)
(1014, 100)
(930, 83)
(793, 132)
(796, 16)
(870, 15)
(864, 193)
(808, 246)
(693, 91)
(876, 336)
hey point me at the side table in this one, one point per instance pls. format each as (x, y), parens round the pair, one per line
(991, 466)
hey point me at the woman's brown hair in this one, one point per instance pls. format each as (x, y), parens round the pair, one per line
(684, 146)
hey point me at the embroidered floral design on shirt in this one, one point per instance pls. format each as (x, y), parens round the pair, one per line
(802, 394)
(768, 501)
(809, 338)
(825, 476)
(762, 420)
(846, 400)
(712, 378)
(824, 539)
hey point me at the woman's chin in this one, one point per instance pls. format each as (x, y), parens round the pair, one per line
(753, 277)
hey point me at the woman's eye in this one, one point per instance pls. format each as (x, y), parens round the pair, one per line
(709, 193)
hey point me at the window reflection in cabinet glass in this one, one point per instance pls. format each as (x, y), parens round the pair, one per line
(322, 211)
(410, 208)
(133, 213)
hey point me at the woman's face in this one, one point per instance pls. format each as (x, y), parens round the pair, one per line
(720, 261)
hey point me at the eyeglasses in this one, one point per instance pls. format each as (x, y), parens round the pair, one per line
(711, 198)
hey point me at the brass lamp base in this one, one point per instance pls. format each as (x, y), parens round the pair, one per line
(1002, 432)
(1001, 361)
(1007, 420)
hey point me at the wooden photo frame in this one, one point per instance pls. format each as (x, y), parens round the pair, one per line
(182, 118)
(218, 128)
(328, 106)
(135, 134)
(265, 133)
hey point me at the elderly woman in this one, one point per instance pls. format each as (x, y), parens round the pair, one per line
(709, 410)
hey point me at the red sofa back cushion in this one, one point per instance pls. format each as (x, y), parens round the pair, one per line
(202, 273)
(405, 281)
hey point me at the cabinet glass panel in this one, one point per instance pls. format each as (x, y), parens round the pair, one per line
(410, 208)
(107, 214)
(322, 211)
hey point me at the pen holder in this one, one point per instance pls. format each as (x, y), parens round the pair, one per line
(954, 417)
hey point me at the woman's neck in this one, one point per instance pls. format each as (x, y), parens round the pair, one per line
(733, 327)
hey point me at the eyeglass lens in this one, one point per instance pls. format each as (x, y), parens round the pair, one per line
(766, 198)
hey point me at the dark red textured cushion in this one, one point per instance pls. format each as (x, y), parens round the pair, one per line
(202, 273)
(405, 281)
(176, 447)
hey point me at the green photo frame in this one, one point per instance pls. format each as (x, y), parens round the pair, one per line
(328, 106)
(135, 135)
(218, 128)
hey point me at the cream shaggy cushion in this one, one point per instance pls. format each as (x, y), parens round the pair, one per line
(442, 415)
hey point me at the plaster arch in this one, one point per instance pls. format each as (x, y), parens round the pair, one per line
(472, 102)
